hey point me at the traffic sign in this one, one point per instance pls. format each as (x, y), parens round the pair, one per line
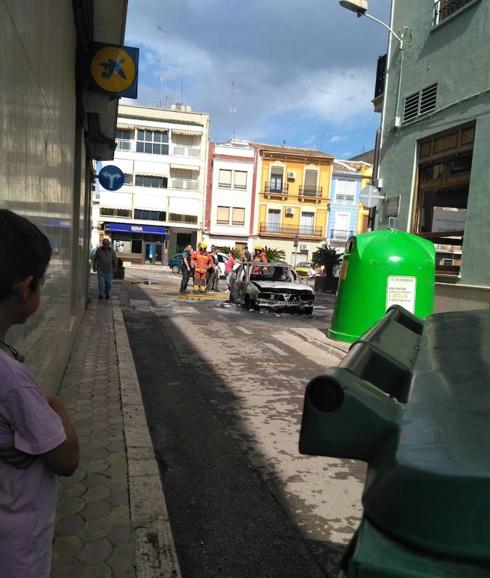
(370, 196)
(114, 69)
(111, 177)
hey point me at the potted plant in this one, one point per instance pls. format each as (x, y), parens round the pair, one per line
(327, 258)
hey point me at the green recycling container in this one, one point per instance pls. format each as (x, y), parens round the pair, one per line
(381, 269)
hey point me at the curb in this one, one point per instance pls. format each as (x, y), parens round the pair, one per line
(155, 553)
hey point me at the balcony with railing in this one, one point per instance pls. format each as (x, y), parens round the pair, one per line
(340, 235)
(272, 229)
(379, 87)
(307, 192)
(186, 151)
(276, 189)
(445, 8)
(187, 184)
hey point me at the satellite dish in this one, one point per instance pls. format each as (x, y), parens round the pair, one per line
(370, 196)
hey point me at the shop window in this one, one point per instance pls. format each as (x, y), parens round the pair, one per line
(224, 178)
(223, 215)
(238, 216)
(152, 142)
(151, 181)
(136, 246)
(444, 171)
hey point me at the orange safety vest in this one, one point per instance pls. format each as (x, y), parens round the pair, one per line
(201, 261)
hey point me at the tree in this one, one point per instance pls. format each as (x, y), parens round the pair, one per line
(274, 254)
(328, 258)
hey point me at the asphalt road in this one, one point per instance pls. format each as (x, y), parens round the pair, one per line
(223, 390)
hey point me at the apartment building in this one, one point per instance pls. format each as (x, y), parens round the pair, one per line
(433, 92)
(293, 186)
(231, 193)
(160, 208)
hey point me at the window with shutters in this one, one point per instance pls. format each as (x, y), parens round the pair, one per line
(223, 216)
(345, 191)
(151, 182)
(224, 180)
(146, 215)
(238, 216)
(240, 179)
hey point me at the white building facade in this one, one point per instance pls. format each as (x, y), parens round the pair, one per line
(230, 199)
(160, 208)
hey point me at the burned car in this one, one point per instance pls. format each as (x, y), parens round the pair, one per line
(271, 285)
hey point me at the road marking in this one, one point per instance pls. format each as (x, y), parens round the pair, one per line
(276, 349)
(243, 330)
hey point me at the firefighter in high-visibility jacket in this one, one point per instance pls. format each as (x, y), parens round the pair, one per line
(201, 261)
(259, 254)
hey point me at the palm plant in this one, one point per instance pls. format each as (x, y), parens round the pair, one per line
(274, 254)
(328, 258)
(237, 254)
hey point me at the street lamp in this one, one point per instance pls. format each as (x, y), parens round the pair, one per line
(360, 8)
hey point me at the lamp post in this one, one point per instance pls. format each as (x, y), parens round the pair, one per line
(360, 8)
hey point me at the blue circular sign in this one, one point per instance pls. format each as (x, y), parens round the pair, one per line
(111, 177)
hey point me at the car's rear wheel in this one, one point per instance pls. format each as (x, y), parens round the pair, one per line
(175, 269)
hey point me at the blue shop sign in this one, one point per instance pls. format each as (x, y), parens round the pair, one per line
(128, 228)
(111, 177)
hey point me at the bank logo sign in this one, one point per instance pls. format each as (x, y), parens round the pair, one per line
(114, 69)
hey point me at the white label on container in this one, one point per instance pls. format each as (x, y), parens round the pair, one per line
(401, 290)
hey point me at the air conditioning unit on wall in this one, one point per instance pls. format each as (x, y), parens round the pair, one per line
(303, 247)
(289, 212)
(291, 175)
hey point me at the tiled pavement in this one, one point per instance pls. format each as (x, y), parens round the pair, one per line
(93, 530)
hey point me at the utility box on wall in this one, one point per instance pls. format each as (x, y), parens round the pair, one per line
(381, 269)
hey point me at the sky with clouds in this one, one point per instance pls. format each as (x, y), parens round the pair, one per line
(299, 71)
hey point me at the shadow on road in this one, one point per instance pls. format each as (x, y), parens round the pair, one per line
(226, 518)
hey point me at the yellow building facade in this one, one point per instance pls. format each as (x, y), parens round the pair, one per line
(293, 187)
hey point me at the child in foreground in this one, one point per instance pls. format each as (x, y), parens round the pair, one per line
(37, 440)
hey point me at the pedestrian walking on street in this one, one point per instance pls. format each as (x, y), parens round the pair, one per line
(37, 440)
(186, 268)
(246, 254)
(105, 263)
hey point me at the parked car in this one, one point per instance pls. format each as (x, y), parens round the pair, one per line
(175, 263)
(270, 285)
(303, 268)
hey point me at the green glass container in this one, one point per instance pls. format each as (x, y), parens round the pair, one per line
(380, 269)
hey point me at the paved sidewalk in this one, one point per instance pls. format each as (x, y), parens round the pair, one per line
(111, 517)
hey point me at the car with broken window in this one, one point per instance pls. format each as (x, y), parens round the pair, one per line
(272, 286)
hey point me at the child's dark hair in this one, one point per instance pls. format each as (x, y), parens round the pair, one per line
(24, 251)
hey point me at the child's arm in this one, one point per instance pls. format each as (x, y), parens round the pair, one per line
(15, 457)
(64, 459)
